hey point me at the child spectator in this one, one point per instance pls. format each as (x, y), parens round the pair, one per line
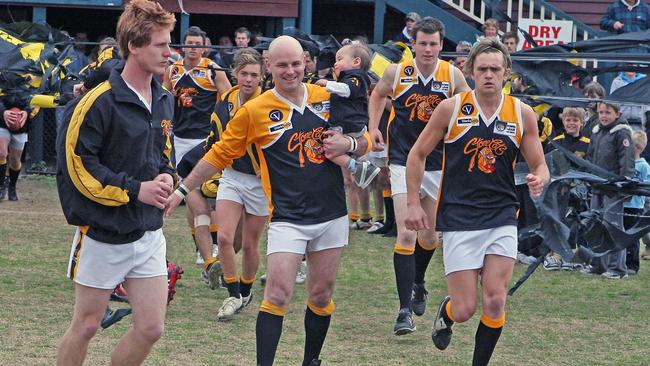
(349, 105)
(573, 140)
(611, 149)
(634, 207)
(593, 90)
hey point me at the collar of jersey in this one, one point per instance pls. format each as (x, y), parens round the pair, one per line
(421, 76)
(301, 108)
(487, 121)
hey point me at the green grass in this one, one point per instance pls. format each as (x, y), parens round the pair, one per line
(556, 318)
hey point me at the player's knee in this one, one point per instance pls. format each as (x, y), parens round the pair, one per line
(250, 247)
(463, 311)
(321, 295)
(224, 238)
(278, 295)
(494, 303)
(150, 333)
(86, 328)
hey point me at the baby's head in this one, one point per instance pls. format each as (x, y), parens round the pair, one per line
(352, 56)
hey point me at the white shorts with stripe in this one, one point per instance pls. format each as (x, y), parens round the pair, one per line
(300, 239)
(429, 187)
(464, 250)
(183, 146)
(245, 189)
(104, 266)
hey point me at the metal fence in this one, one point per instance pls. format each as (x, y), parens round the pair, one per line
(40, 157)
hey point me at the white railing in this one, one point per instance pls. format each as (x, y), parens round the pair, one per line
(526, 9)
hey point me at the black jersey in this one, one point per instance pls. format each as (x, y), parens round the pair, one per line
(477, 187)
(196, 94)
(576, 144)
(414, 99)
(301, 185)
(351, 113)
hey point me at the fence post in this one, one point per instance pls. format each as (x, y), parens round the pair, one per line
(36, 139)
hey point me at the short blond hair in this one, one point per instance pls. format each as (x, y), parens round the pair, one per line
(247, 56)
(138, 20)
(491, 22)
(573, 112)
(640, 140)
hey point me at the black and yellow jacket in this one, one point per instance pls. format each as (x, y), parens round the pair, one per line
(576, 144)
(108, 144)
(99, 71)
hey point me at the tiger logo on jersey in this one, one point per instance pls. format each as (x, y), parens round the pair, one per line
(483, 153)
(422, 106)
(185, 96)
(167, 127)
(308, 144)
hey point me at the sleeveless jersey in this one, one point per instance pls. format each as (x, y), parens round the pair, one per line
(223, 113)
(478, 188)
(301, 185)
(414, 99)
(196, 93)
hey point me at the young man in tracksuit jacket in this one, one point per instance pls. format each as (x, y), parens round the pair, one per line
(113, 178)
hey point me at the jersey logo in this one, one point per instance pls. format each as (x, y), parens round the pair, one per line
(286, 125)
(505, 128)
(185, 95)
(483, 153)
(440, 86)
(199, 73)
(467, 121)
(354, 81)
(407, 80)
(308, 144)
(321, 107)
(276, 115)
(166, 125)
(408, 70)
(421, 106)
(230, 106)
(467, 109)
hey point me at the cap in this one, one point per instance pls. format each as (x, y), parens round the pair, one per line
(413, 16)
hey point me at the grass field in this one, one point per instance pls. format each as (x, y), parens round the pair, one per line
(556, 318)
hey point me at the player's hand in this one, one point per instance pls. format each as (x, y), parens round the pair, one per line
(377, 140)
(417, 218)
(167, 179)
(617, 25)
(321, 82)
(535, 185)
(172, 202)
(79, 89)
(154, 193)
(335, 144)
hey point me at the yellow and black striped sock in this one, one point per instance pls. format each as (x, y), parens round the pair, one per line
(233, 286)
(423, 253)
(245, 285)
(268, 330)
(487, 336)
(404, 264)
(208, 262)
(317, 322)
(354, 216)
(365, 216)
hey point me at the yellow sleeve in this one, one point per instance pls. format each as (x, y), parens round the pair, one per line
(232, 145)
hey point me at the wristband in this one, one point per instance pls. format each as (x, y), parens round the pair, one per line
(181, 191)
(353, 144)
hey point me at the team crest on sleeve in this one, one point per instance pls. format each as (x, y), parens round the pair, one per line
(505, 128)
(167, 126)
(467, 109)
(276, 115)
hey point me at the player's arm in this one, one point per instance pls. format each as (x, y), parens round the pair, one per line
(232, 145)
(432, 134)
(337, 144)
(221, 81)
(460, 84)
(377, 103)
(531, 149)
(84, 142)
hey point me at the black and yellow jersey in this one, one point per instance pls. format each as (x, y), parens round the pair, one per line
(224, 111)
(196, 94)
(414, 99)
(111, 143)
(301, 185)
(478, 188)
(576, 144)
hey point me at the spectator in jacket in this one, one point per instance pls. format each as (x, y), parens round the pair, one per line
(625, 16)
(610, 148)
